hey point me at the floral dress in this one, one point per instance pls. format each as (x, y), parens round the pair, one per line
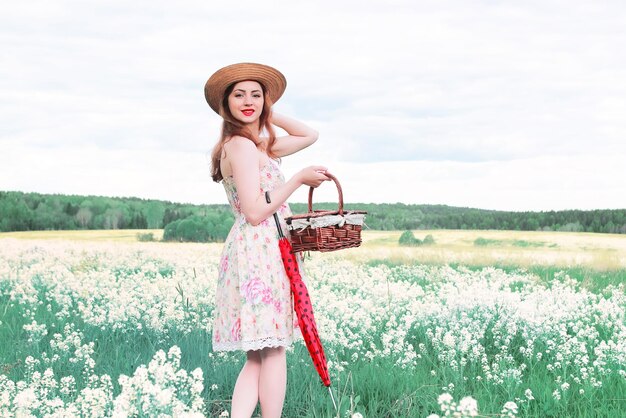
(253, 307)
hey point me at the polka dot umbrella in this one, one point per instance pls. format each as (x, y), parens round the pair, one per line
(303, 308)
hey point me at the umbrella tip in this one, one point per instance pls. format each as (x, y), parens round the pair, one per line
(332, 397)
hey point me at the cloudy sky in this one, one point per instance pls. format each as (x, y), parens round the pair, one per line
(512, 105)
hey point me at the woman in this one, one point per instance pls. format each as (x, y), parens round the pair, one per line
(253, 309)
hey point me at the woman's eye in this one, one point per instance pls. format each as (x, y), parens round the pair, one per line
(257, 95)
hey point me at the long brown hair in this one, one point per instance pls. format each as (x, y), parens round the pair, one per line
(234, 127)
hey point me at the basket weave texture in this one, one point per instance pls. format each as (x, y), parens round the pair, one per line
(326, 238)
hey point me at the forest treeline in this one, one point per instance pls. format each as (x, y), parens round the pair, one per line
(33, 211)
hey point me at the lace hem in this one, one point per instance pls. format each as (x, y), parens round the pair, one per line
(252, 345)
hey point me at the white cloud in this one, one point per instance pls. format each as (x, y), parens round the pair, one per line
(463, 91)
(527, 184)
(88, 170)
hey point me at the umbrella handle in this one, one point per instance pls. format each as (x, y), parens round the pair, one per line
(280, 230)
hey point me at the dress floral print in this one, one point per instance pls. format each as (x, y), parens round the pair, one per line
(253, 298)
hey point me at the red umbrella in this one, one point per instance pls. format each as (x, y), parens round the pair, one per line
(303, 307)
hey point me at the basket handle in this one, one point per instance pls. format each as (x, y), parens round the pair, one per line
(333, 178)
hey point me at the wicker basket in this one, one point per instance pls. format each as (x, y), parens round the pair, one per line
(326, 230)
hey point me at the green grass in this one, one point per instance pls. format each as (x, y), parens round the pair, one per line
(400, 393)
(384, 390)
(121, 352)
(376, 388)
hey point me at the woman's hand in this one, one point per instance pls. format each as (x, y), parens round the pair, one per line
(313, 176)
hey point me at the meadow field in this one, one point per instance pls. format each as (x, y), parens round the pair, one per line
(481, 323)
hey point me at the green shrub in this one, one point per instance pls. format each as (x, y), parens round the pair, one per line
(145, 237)
(428, 240)
(407, 239)
(196, 229)
(481, 242)
(523, 243)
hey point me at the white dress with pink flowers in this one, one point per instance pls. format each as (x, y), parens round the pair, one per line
(253, 307)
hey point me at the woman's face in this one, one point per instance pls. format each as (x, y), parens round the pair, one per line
(246, 101)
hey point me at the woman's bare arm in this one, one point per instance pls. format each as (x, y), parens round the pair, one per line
(300, 135)
(244, 161)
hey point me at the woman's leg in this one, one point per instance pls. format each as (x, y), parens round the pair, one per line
(273, 381)
(246, 392)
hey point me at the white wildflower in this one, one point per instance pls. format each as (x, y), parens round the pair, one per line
(529, 394)
(445, 398)
(468, 407)
(509, 409)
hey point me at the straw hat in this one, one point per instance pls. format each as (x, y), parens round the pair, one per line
(272, 79)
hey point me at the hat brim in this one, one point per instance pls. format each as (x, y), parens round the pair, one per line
(272, 79)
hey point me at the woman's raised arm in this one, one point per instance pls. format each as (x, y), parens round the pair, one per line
(300, 135)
